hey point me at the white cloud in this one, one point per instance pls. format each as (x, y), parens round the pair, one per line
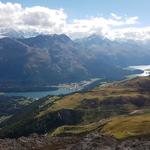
(99, 25)
(132, 33)
(49, 21)
(132, 20)
(38, 19)
(116, 16)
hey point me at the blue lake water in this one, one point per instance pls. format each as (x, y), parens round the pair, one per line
(59, 91)
(40, 94)
(144, 68)
(141, 67)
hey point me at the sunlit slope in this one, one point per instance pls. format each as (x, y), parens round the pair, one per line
(112, 100)
(129, 126)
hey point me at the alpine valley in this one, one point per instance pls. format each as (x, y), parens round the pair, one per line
(39, 62)
(113, 114)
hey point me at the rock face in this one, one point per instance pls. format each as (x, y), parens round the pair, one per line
(135, 144)
(95, 141)
(23, 143)
(25, 63)
(53, 59)
(92, 141)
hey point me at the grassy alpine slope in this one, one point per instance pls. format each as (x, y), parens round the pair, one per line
(117, 105)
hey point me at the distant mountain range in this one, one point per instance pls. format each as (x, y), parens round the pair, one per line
(118, 52)
(52, 59)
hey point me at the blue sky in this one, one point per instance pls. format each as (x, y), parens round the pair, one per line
(77, 9)
(125, 19)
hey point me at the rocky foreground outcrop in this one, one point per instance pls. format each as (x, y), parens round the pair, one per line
(92, 141)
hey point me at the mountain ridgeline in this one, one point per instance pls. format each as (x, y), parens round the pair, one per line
(52, 59)
(113, 115)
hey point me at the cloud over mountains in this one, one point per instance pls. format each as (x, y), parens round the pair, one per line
(44, 20)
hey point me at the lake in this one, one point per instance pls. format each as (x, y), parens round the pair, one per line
(144, 68)
(40, 94)
(59, 91)
(62, 89)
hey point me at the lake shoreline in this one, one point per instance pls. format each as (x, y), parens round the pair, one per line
(144, 68)
(68, 88)
(62, 89)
